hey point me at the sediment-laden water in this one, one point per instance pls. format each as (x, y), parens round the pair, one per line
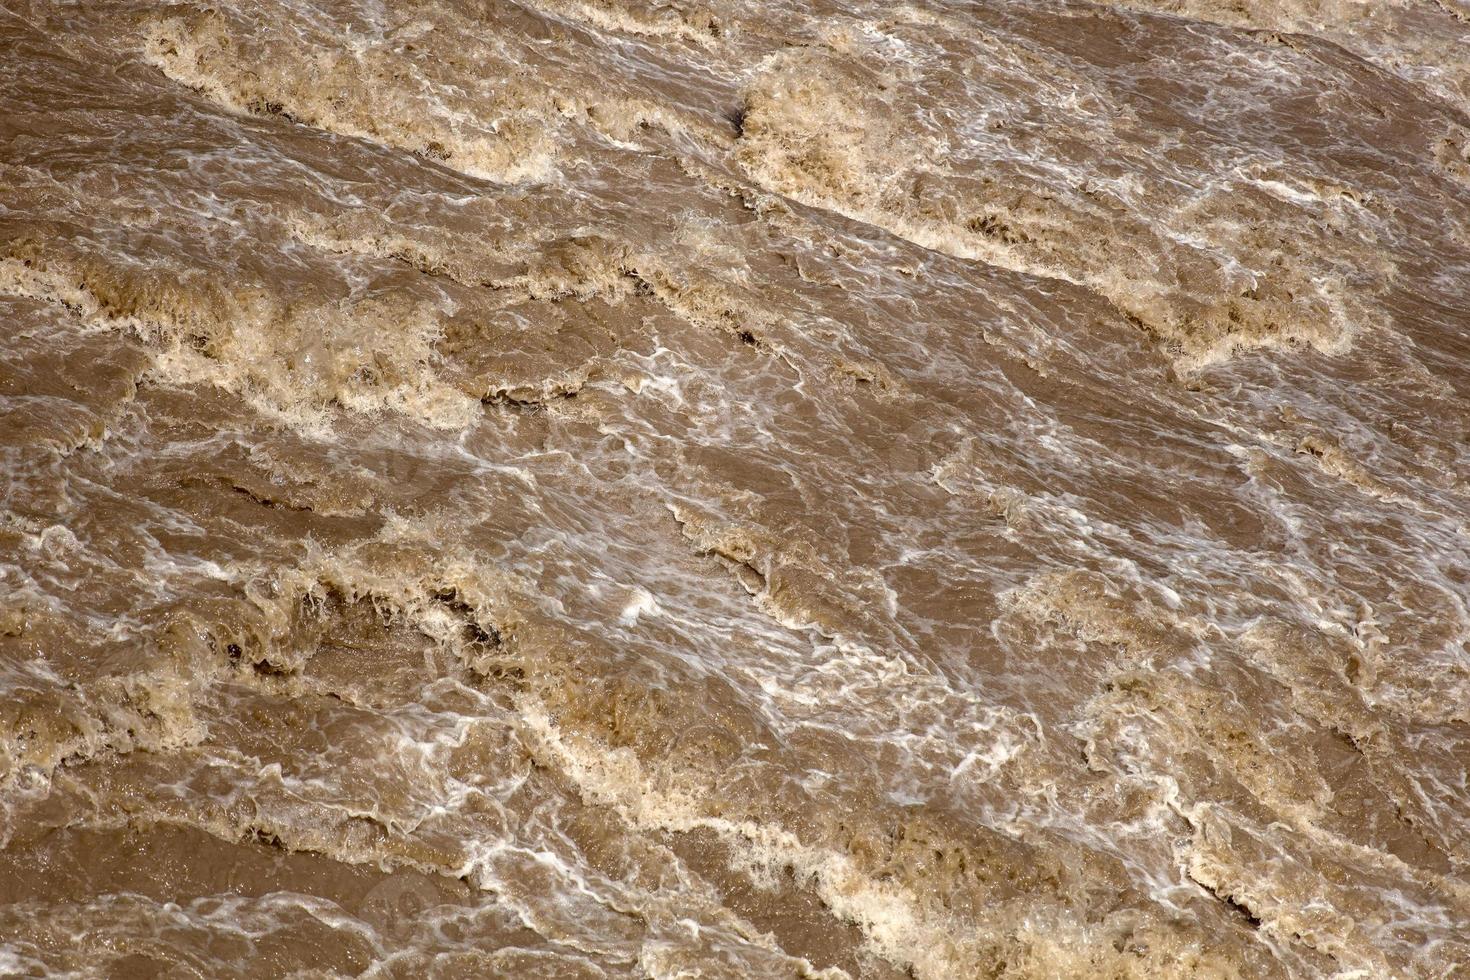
(735, 489)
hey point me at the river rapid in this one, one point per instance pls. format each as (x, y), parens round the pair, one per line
(731, 489)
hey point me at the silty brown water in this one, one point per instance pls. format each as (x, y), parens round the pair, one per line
(734, 489)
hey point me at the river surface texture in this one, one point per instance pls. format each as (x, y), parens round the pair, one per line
(735, 489)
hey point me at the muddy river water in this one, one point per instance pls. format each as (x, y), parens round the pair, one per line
(746, 488)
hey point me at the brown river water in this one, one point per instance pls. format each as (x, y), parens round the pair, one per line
(747, 488)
